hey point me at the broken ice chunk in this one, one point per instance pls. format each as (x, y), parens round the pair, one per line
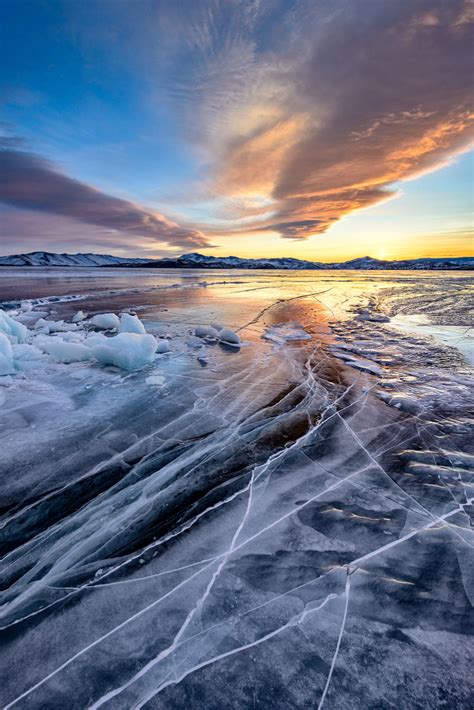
(68, 352)
(206, 331)
(27, 357)
(106, 321)
(129, 351)
(163, 346)
(54, 326)
(73, 336)
(229, 337)
(12, 328)
(78, 317)
(202, 356)
(193, 342)
(95, 339)
(405, 402)
(6, 356)
(131, 324)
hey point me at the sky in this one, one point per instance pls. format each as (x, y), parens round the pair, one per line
(317, 129)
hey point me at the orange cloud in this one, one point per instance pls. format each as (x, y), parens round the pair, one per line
(339, 108)
(251, 166)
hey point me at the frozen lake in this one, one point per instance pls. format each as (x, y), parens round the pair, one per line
(283, 524)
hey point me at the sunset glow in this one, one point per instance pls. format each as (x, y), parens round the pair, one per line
(236, 354)
(262, 129)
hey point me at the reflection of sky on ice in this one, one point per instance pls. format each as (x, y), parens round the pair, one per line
(272, 523)
(457, 336)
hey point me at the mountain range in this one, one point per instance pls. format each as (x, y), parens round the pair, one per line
(199, 261)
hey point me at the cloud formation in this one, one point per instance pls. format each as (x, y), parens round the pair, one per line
(291, 113)
(28, 181)
(327, 105)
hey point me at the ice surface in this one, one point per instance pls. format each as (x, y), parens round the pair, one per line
(156, 380)
(457, 336)
(283, 332)
(282, 525)
(366, 314)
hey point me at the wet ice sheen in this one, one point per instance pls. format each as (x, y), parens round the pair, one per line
(284, 523)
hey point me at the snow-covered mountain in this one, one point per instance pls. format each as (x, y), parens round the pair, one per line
(46, 258)
(236, 262)
(200, 261)
(195, 260)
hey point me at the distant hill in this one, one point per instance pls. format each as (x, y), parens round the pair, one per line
(199, 261)
(46, 258)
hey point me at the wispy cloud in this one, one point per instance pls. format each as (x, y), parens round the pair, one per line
(30, 182)
(293, 113)
(327, 109)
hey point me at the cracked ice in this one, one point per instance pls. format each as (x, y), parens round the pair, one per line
(280, 521)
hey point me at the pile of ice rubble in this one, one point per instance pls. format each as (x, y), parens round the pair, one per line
(106, 339)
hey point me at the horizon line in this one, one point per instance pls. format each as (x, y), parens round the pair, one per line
(230, 256)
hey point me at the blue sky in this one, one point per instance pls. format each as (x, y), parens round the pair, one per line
(320, 130)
